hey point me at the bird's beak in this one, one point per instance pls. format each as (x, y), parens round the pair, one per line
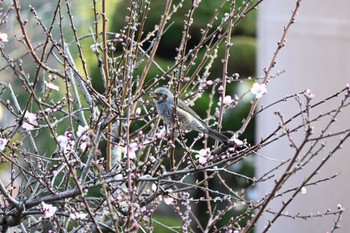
(152, 96)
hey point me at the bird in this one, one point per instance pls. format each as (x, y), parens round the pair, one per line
(187, 118)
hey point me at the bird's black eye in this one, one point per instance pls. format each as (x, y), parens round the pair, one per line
(164, 96)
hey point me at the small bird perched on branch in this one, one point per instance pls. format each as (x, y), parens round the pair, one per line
(187, 118)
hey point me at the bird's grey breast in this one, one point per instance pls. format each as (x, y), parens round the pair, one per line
(165, 111)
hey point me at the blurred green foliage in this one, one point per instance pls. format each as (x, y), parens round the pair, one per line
(166, 220)
(242, 60)
(243, 51)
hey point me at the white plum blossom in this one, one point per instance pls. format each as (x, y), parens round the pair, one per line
(3, 37)
(30, 121)
(133, 147)
(138, 111)
(49, 210)
(83, 145)
(160, 133)
(65, 142)
(168, 200)
(3, 142)
(196, 3)
(81, 133)
(309, 94)
(209, 82)
(258, 90)
(81, 130)
(237, 141)
(303, 190)
(76, 216)
(154, 187)
(51, 86)
(202, 156)
(119, 151)
(227, 101)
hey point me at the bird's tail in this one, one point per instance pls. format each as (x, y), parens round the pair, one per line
(217, 135)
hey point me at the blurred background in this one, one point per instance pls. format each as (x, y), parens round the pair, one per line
(316, 56)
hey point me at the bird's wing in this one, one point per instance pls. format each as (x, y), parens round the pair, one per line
(184, 107)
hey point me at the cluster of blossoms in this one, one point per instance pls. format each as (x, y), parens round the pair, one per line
(50, 210)
(30, 121)
(203, 156)
(228, 102)
(67, 142)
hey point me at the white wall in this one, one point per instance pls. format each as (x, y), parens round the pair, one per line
(316, 56)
